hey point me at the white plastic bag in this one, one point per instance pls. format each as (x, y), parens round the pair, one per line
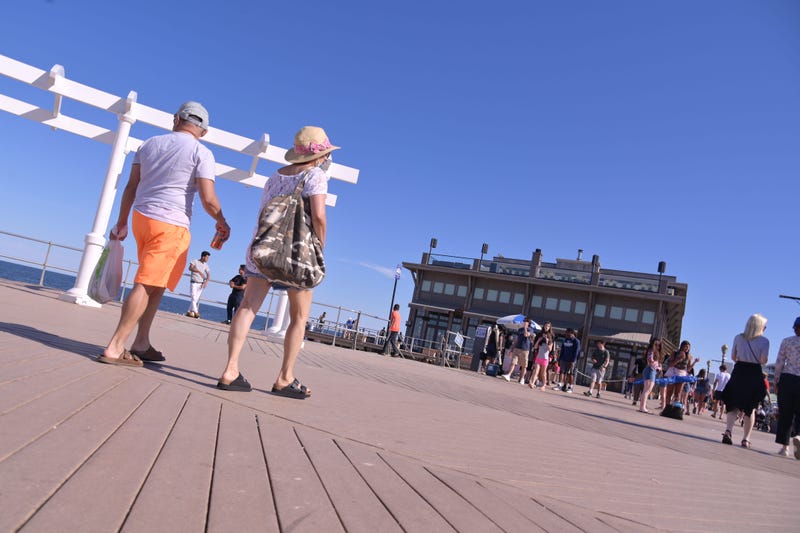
(107, 278)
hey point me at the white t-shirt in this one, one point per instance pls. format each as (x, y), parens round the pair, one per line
(199, 277)
(722, 380)
(169, 165)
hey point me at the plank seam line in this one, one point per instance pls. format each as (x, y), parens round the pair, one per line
(63, 420)
(87, 458)
(213, 468)
(454, 491)
(155, 460)
(319, 477)
(269, 473)
(413, 488)
(44, 393)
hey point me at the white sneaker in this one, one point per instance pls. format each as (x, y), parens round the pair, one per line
(556, 386)
(522, 382)
(569, 390)
(783, 452)
(796, 442)
(507, 377)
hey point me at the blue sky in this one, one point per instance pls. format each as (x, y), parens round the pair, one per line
(637, 131)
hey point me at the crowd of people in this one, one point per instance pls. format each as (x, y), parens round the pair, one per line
(741, 396)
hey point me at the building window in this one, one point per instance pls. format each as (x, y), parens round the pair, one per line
(519, 298)
(551, 304)
(616, 313)
(580, 308)
(600, 310)
(631, 315)
(536, 301)
(478, 295)
(438, 287)
(564, 305)
(491, 295)
(505, 297)
(462, 291)
(426, 286)
(648, 317)
(449, 289)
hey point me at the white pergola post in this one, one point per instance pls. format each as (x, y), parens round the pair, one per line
(280, 324)
(95, 239)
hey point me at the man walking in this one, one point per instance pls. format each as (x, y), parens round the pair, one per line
(200, 273)
(600, 360)
(238, 284)
(167, 171)
(394, 331)
(570, 349)
(519, 354)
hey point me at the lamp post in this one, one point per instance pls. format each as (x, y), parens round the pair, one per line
(431, 246)
(484, 249)
(724, 351)
(397, 272)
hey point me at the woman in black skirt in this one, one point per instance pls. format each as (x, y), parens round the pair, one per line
(746, 387)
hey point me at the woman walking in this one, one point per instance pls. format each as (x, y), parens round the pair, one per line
(746, 387)
(701, 391)
(787, 383)
(650, 371)
(309, 159)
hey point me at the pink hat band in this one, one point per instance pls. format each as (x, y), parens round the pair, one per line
(313, 148)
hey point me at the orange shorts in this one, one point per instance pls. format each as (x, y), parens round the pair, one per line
(163, 249)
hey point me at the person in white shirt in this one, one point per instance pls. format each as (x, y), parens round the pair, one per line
(719, 385)
(200, 274)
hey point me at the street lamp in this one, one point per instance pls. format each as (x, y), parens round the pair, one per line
(484, 249)
(724, 351)
(397, 272)
(432, 245)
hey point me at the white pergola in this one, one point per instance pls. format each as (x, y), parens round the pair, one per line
(129, 111)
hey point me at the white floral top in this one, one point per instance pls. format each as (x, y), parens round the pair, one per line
(278, 184)
(788, 357)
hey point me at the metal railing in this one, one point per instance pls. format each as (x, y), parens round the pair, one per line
(63, 258)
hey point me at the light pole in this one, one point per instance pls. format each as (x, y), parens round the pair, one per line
(484, 249)
(724, 351)
(431, 246)
(397, 272)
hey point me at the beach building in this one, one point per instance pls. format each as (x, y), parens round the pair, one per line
(459, 295)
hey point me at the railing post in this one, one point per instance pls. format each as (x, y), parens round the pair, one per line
(44, 265)
(95, 240)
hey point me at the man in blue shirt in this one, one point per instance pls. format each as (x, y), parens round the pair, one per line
(570, 349)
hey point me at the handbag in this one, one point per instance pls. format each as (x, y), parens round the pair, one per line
(107, 277)
(286, 249)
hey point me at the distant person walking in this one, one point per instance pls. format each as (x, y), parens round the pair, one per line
(199, 275)
(309, 159)
(787, 383)
(394, 331)
(651, 370)
(167, 171)
(570, 349)
(746, 388)
(720, 382)
(238, 284)
(600, 361)
(489, 354)
(519, 353)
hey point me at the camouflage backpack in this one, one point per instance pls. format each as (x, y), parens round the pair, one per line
(286, 249)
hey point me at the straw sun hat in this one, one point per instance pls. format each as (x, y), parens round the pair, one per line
(310, 143)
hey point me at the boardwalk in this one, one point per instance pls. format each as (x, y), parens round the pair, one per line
(383, 444)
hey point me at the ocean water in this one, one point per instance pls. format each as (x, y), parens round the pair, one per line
(169, 304)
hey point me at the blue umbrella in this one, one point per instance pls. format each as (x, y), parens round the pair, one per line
(512, 322)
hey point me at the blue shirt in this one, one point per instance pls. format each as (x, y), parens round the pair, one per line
(523, 341)
(570, 350)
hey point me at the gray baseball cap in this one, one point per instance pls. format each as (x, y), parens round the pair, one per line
(194, 113)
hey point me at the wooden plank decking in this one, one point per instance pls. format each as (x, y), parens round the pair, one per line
(382, 445)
